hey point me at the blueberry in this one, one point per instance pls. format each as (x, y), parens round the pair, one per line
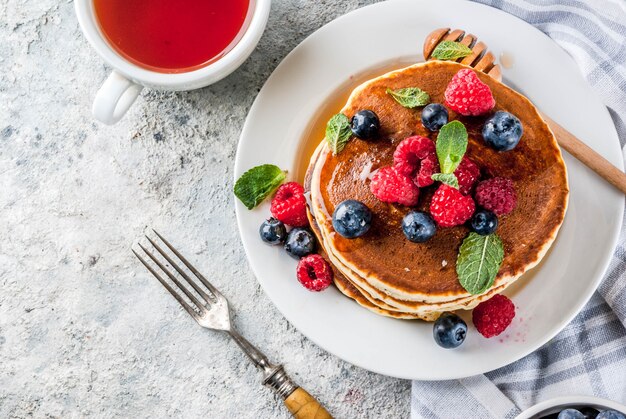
(418, 226)
(365, 124)
(570, 414)
(484, 222)
(449, 330)
(300, 242)
(502, 131)
(589, 412)
(434, 116)
(610, 414)
(352, 219)
(273, 231)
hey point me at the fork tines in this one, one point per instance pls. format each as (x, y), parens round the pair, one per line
(203, 295)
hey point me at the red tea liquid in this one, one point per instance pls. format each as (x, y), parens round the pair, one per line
(171, 36)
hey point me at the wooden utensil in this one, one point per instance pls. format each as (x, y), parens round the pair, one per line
(483, 60)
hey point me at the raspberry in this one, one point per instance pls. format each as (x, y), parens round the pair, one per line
(314, 273)
(467, 174)
(449, 207)
(493, 316)
(388, 185)
(289, 205)
(417, 155)
(429, 166)
(497, 195)
(467, 95)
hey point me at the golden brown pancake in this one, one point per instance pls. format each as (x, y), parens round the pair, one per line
(384, 260)
(356, 288)
(348, 288)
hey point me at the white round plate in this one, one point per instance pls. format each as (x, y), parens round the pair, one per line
(547, 298)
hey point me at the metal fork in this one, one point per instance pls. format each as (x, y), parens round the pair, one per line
(209, 308)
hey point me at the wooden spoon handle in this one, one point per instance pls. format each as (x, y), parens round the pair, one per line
(566, 139)
(587, 155)
(304, 406)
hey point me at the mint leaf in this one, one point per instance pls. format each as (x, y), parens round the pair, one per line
(451, 146)
(410, 97)
(447, 178)
(450, 50)
(479, 261)
(257, 183)
(338, 132)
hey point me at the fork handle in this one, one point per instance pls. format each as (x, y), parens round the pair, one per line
(304, 406)
(587, 155)
(300, 403)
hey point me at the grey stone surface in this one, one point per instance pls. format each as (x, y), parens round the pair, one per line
(76, 338)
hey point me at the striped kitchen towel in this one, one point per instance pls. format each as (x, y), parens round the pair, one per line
(589, 356)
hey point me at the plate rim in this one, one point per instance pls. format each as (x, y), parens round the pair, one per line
(553, 331)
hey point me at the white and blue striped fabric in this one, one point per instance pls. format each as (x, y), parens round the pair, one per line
(589, 356)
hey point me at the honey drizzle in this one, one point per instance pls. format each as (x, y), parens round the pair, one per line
(315, 132)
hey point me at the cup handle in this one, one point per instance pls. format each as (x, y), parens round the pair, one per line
(114, 98)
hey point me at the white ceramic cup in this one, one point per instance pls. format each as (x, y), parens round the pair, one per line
(124, 84)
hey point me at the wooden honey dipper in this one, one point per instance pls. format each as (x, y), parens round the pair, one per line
(483, 60)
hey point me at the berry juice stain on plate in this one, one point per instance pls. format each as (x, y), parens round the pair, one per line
(519, 330)
(172, 36)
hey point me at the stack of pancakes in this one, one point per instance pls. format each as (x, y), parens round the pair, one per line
(390, 275)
